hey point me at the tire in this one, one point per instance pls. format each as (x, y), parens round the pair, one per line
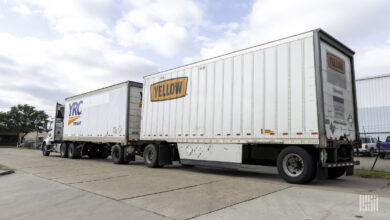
(382, 155)
(336, 172)
(72, 151)
(64, 150)
(296, 165)
(45, 152)
(187, 165)
(371, 153)
(117, 154)
(151, 156)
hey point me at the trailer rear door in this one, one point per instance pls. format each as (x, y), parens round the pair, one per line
(338, 93)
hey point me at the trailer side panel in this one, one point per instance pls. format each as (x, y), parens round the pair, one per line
(98, 116)
(264, 94)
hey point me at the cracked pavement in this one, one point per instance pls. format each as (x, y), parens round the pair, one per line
(58, 188)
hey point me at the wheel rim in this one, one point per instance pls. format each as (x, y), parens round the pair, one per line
(293, 165)
(116, 154)
(149, 156)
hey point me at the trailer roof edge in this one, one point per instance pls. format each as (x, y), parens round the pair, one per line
(257, 45)
(131, 83)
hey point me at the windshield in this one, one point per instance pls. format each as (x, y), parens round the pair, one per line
(365, 140)
(51, 126)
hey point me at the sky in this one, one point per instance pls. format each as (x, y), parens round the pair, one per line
(52, 49)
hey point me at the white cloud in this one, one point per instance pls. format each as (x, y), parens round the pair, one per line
(356, 23)
(373, 61)
(73, 15)
(23, 10)
(96, 39)
(166, 27)
(167, 39)
(40, 72)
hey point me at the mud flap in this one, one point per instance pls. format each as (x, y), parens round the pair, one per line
(164, 155)
(322, 172)
(349, 171)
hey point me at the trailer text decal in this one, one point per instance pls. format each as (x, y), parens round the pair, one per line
(336, 63)
(75, 112)
(168, 89)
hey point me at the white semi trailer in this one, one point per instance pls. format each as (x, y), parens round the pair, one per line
(98, 123)
(289, 103)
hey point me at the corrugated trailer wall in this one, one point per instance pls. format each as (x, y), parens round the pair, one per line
(262, 94)
(374, 105)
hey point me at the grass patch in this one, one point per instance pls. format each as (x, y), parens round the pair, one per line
(24, 148)
(7, 146)
(375, 174)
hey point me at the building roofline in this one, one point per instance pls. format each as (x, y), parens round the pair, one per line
(374, 77)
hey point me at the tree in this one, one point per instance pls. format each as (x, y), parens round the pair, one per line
(3, 121)
(21, 119)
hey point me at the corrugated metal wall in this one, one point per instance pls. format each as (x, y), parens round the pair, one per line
(373, 99)
(258, 93)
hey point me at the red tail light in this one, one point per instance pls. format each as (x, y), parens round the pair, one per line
(366, 146)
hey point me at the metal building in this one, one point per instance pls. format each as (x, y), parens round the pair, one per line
(373, 99)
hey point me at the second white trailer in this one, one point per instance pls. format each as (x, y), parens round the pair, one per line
(289, 102)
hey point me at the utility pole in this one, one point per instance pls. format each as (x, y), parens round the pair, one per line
(36, 137)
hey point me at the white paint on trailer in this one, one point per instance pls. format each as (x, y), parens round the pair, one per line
(100, 116)
(211, 152)
(255, 95)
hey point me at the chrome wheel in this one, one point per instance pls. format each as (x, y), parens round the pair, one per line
(149, 156)
(293, 165)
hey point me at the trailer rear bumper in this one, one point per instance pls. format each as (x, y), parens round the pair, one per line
(344, 164)
(322, 169)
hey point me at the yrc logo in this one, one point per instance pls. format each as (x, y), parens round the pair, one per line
(75, 110)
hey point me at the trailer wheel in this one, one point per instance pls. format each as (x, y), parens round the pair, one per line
(45, 152)
(296, 165)
(336, 172)
(64, 150)
(151, 156)
(371, 153)
(117, 154)
(72, 151)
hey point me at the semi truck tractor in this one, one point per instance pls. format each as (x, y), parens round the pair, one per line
(290, 103)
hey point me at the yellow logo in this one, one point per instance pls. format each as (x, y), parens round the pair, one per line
(72, 119)
(169, 89)
(336, 63)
